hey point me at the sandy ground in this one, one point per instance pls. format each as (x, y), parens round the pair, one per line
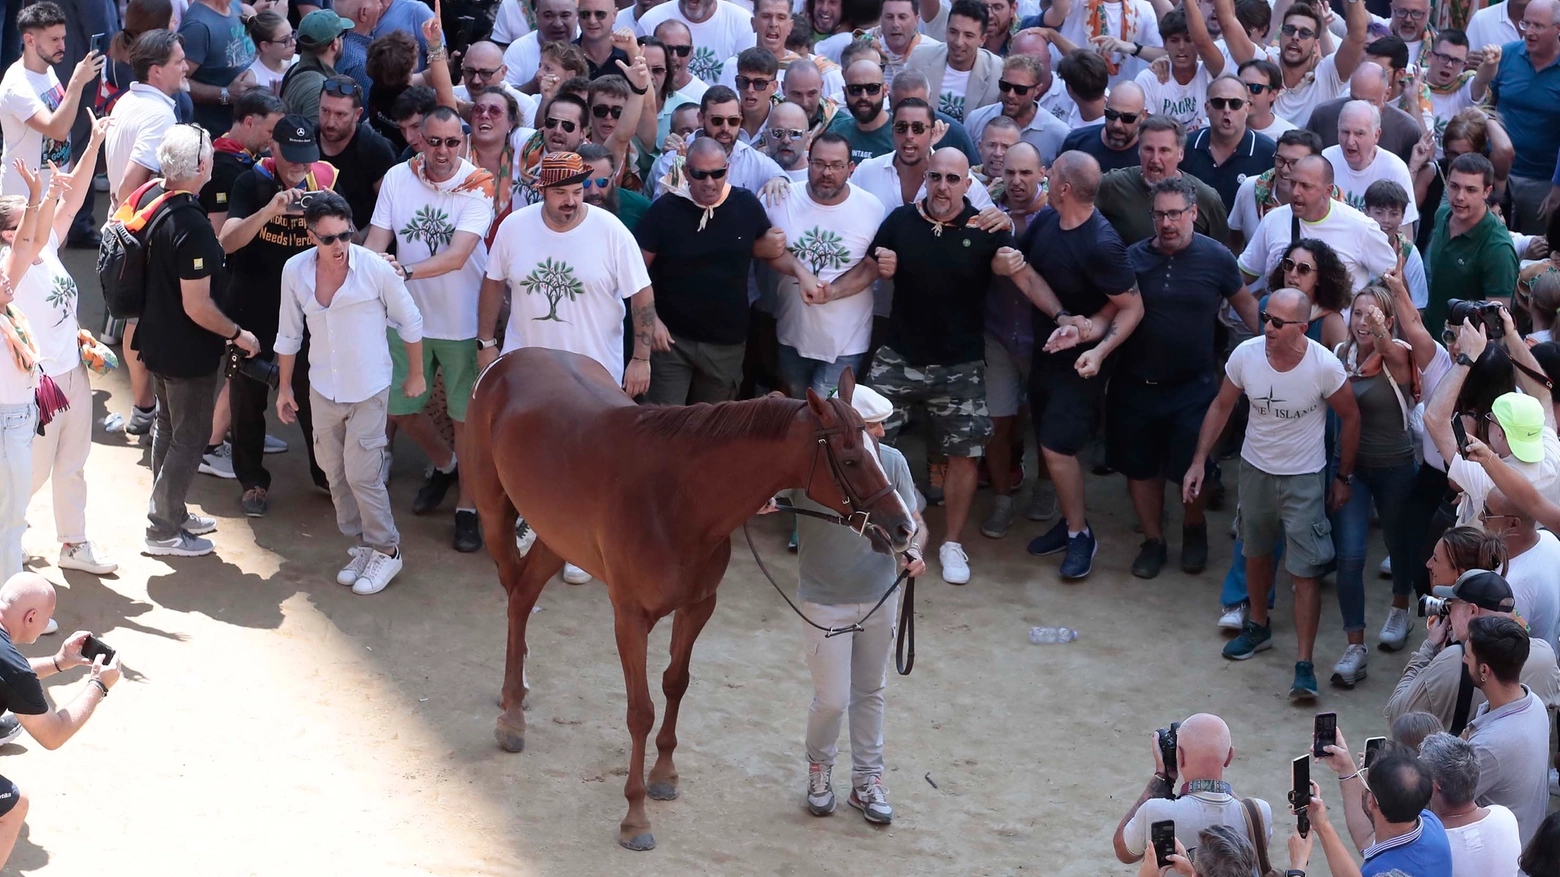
(271, 722)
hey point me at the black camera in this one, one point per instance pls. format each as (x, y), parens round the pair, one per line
(1434, 607)
(1167, 745)
(1472, 313)
(252, 367)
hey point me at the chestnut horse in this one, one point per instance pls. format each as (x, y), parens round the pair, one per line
(645, 499)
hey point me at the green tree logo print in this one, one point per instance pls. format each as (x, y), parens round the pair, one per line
(62, 296)
(432, 226)
(704, 65)
(820, 249)
(556, 281)
(951, 104)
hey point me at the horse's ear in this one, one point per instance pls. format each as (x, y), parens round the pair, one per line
(847, 384)
(821, 409)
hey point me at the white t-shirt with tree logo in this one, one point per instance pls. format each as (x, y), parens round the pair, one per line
(567, 288)
(721, 36)
(47, 294)
(425, 219)
(828, 240)
(955, 85)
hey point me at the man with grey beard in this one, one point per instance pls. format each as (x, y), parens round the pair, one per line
(785, 139)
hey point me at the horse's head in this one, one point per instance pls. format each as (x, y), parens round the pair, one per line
(859, 489)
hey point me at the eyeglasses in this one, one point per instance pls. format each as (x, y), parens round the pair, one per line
(1448, 59)
(1172, 215)
(786, 133)
(723, 122)
(290, 39)
(715, 174)
(567, 126)
(1279, 324)
(935, 177)
(449, 142)
(601, 111)
(329, 239)
(1259, 87)
(872, 88)
(1486, 515)
(746, 82)
(1124, 118)
(479, 72)
(1015, 88)
(489, 110)
(1302, 269)
(831, 166)
(1409, 14)
(342, 89)
(1303, 33)
(680, 51)
(597, 182)
(593, 14)
(1524, 25)
(913, 127)
(1226, 103)
(1280, 162)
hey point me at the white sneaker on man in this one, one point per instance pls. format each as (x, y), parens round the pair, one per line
(198, 525)
(574, 575)
(354, 569)
(1394, 631)
(1233, 617)
(871, 799)
(820, 791)
(218, 462)
(955, 563)
(181, 544)
(1350, 668)
(525, 537)
(52, 627)
(84, 556)
(1385, 569)
(377, 573)
(274, 445)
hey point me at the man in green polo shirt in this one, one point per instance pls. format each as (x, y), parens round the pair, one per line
(1471, 254)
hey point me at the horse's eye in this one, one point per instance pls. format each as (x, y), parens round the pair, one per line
(851, 464)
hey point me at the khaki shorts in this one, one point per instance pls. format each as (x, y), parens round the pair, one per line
(1288, 507)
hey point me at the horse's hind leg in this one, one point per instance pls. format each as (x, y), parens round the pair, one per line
(686, 625)
(633, 629)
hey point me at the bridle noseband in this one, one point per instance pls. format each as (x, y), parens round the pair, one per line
(858, 519)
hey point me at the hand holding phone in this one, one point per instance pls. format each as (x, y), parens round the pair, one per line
(94, 647)
(100, 43)
(1461, 434)
(1325, 733)
(1300, 793)
(1373, 747)
(1163, 836)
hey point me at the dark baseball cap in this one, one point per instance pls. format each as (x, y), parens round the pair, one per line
(294, 135)
(320, 27)
(1482, 588)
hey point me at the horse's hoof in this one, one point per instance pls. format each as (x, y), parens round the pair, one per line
(638, 843)
(662, 791)
(510, 741)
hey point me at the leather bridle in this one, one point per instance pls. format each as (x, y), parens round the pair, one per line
(858, 518)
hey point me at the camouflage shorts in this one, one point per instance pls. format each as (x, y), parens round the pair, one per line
(953, 395)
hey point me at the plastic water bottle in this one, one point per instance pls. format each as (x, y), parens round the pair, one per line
(1039, 635)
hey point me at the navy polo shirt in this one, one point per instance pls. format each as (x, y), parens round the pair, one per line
(1252, 157)
(1181, 293)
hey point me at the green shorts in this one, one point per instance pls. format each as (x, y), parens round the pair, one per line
(456, 359)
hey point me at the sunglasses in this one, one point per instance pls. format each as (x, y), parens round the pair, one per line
(1226, 103)
(1279, 324)
(723, 122)
(1124, 118)
(567, 126)
(680, 51)
(450, 142)
(1303, 269)
(1259, 87)
(597, 182)
(601, 111)
(1449, 335)
(1303, 33)
(479, 72)
(935, 177)
(489, 110)
(746, 82)
(872, 88)
(786, 133)
(715, 174)
(593, 14)
(1015, 88)
(329, 239)
(1486, 515)
(912, 127)
(341, 89)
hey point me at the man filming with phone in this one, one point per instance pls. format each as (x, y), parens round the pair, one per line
(26, 605)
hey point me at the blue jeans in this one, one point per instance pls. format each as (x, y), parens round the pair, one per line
(1234, 591)
(799, 372)
(1390, 487)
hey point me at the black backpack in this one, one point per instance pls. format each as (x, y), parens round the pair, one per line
(122, 257)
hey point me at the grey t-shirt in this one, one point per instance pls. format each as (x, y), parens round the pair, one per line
(837, 566)
(1512, 745)
(221, 48)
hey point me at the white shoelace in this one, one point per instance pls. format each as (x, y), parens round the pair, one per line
(872, 793)
(818, 781)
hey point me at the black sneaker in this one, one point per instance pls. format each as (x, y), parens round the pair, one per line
(1080, 555)
(1050, 542)
(1151, 559)
(255, 504)
(468, 535)
(10, 728)
(435, 486)
(1194, 548)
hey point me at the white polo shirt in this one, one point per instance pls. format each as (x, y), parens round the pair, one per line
(141, 117)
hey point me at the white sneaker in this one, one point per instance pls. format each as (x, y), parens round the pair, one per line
(955, 563)
(85, 557)
(219, 462)
(820, 791)
(1385, 569)
(52, 627)
(1233, 617)
(1394, 631)
(377, 573)
(1351, 667)
(354, 570)
(872, 800)
(199, 525)
(274, 445)
(183, 544)
(574, 575)
(525, 537)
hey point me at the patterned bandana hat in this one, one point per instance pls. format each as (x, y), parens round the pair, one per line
(561, 169)
(676, 182)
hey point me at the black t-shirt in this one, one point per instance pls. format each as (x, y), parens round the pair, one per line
(20, 691)
(226, 167)
(700, 277)
(183, 247)
(1083, 266)
(380, 99)
(940, 284)
(361, 164)
(608, 69)
(1181, 293)
(1088, 140)
(256, 267)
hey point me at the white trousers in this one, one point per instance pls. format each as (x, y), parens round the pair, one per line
(849, 674)
(60, 455)
(17, 423)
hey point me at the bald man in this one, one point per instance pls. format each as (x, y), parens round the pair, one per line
(1357, 239)
(1113, 142)
(785, 138)
(1532, 555)
(1203, 751)
(483, 66)
(26, 605)
(1358, 161)
(1290, 380)
(1399, 130)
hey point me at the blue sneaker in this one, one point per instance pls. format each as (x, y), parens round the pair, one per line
(1054, 540)
(1080, 555)
(1253, 638)
(1305, 682)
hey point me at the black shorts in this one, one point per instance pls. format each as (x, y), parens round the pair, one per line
(1151, 429)
(9, 795)
(1062, 404)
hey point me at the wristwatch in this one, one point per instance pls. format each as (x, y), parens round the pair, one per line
(487, 343)
(1294, 872)
(636, 90)
(1137, 50)
(1346, 479)
(408, 272)
(224, 99)
(1463, 360)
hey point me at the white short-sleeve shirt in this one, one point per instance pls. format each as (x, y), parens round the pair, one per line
(828, 240)
(1288, 408)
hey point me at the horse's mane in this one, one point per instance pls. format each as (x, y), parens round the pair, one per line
(766, 418)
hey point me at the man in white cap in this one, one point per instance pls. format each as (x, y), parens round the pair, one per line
(842, 578)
